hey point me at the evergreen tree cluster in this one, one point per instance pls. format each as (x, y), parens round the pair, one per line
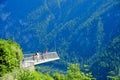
(107, 63)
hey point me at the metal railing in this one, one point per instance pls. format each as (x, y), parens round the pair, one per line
(49, 55)
(29, 59)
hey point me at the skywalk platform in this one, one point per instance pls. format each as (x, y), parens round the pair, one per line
(30, 60)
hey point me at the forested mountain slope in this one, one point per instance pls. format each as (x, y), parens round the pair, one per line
(81, 28)
(76, 29)
(106, 61)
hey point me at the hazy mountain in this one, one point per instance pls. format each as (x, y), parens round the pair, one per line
(76, 29)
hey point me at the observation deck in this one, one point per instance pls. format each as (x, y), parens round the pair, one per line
(30, 60)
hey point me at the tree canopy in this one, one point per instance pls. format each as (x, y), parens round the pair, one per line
(10, 56)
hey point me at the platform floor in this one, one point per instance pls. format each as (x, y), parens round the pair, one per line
(28, 60)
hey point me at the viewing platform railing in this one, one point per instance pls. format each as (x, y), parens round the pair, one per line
(31, 60)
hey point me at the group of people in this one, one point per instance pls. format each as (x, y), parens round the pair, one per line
(37, 56)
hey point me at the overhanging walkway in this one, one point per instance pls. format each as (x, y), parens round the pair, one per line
(30, 60)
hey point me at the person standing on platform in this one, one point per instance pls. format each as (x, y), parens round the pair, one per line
(46, 54)
(37, 56)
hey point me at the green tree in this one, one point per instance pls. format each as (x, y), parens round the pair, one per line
(113, 76)
(26, 74)
(58, 76)
(10, 56)
(74, 73)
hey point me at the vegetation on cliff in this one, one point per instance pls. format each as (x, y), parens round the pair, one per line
(106, 64)
(73, 73)
(10, 56)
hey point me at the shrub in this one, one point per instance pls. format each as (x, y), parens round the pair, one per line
(10, 56)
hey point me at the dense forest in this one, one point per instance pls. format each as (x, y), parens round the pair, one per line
(10, 69)
(11, 56)
(81, 32)
(107, 62)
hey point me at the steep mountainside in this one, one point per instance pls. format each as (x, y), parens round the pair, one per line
(107, 61)
(76, 29)
(57, 23)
